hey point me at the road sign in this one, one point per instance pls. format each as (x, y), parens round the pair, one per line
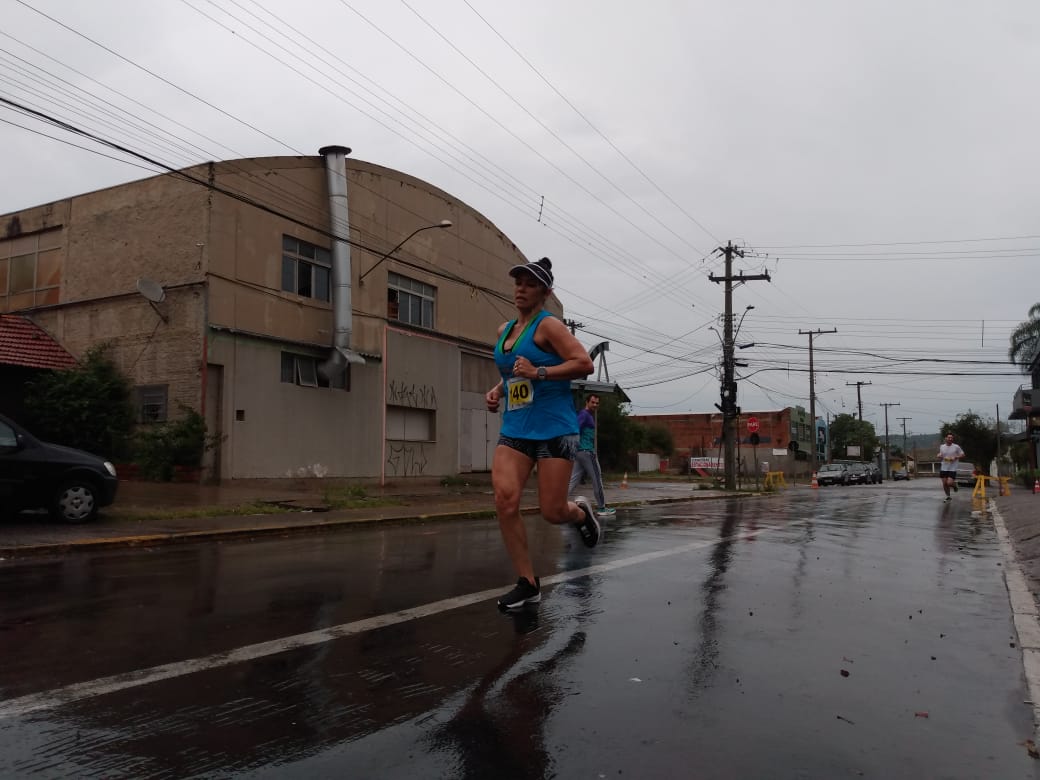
(752, 425)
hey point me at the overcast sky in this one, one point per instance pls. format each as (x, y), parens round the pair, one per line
(878, 159)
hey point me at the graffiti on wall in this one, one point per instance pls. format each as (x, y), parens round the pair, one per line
(411, 394)
(314, 470)
(406, 459)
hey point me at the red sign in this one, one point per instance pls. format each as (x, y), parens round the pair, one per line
(752, 425)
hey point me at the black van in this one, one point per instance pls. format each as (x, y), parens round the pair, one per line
(70, 483)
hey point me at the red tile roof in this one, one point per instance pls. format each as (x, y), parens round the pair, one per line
(24, 343)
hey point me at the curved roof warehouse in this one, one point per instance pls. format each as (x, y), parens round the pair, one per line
(318, 311)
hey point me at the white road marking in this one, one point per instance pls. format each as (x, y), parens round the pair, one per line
(1023, 609)
(46, 700)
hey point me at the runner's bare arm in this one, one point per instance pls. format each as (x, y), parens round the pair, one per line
(552, 333)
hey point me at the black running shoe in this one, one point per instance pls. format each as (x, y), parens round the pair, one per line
(523, 593)
(589, 527)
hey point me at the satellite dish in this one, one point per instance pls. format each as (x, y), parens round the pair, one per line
(151, 290)
(154, 293)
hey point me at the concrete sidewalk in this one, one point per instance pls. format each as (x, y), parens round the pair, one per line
(147, 514)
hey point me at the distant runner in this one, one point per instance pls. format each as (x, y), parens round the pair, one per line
(949, 454)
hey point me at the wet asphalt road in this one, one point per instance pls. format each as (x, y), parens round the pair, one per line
(845, 632)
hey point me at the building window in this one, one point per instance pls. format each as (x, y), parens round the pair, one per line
(303, 370)
(151, 403)
(306, 269)
(403, 423)
(30, 271)
(412, 300)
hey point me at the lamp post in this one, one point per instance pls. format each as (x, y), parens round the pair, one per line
(444, 223)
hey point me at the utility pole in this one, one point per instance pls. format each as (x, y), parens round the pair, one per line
(859, 396)
(812, 393)
(573, 325)
(906, 466)
(888, 471)
(998, 441)
(729, 407)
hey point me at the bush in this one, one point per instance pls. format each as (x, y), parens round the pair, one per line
(88, 407)
(160, 448)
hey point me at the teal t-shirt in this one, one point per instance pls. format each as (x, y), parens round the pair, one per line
(587, 429)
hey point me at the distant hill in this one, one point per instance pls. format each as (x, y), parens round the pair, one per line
(926, 442)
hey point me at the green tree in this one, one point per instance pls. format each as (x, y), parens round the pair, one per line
(845, 430)
(88, 407)
(658, 439)
(976, 435)
(618, 436)
(1025, 340)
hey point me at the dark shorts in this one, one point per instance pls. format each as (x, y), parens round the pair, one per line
(559, 447)
(947, 475)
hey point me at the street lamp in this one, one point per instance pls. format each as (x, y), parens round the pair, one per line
(742, 316)
(444, 223)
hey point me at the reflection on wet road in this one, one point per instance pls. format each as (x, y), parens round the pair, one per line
(833, 633)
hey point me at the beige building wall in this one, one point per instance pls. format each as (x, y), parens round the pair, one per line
(421, 386)
(146, 349)
(276, 429)
(90, 250)
(244, 252)
(227, 320)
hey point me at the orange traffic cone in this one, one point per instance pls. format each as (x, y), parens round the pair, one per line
(1036, 486)
(815, 485)
(624, 482)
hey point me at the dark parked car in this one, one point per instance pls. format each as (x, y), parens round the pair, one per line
(832, 474)
(966, 474)
(898, 474)
(858, 474)
(70, 483)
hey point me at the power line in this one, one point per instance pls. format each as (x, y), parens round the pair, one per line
(570, 224)
(236, 195)
(548, 129)
(505, 128)
(157, 76)
(590, 124)
(900, 243)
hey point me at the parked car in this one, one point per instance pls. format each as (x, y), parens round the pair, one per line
(876, 477)
(70, 483)
(966, 474)
(858, 474)
(898, 474)
(832, 474)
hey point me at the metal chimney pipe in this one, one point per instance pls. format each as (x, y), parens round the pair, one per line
(342, 313)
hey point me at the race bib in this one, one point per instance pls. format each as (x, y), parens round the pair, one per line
(520, 393)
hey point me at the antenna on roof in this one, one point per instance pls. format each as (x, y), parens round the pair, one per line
(154, 293)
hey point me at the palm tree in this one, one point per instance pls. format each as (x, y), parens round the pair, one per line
(1025, 340)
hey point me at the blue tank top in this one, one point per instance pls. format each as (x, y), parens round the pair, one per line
(533, 408)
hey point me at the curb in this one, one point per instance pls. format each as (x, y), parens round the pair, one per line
(246, 532)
